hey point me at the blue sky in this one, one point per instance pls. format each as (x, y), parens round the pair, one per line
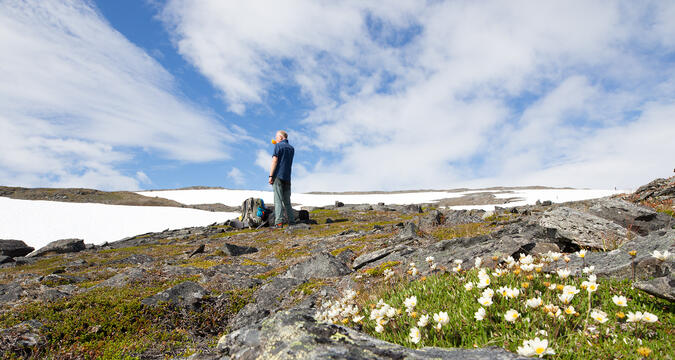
(150, 94)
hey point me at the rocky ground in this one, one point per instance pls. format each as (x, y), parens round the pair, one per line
(215, 292)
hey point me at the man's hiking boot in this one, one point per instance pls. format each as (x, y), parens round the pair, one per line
(278, 226)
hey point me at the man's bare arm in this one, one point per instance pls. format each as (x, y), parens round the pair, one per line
(273, 167)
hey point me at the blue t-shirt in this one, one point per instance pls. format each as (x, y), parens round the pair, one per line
(284, 153)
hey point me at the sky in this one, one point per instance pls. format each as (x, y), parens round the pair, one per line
(375, 95)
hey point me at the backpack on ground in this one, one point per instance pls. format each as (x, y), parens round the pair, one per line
(253, 212)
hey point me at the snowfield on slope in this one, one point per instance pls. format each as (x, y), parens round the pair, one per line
(38, 222)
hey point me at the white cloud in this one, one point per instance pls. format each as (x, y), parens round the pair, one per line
(237, 176)
(143, 178)
(77, 99)
(499, 92)
(263, 160)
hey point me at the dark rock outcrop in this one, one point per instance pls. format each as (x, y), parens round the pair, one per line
(62, 246)
(236, 250)
(14, 248)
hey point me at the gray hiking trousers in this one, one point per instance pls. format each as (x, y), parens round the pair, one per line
(282, 201)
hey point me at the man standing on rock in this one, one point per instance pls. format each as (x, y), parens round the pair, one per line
(280, 178)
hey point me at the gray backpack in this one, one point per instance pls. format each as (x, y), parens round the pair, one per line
(253, 212)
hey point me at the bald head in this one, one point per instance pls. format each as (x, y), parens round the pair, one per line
(282, 134)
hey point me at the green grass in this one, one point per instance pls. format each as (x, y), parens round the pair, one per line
(571, 337)
(379, 270)
(462, 230)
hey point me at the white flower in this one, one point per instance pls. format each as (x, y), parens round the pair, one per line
(570, 310)
(432, 266)
(533, 303)
(423, 321)
(620, 300)
(477, 262)
(554, 256)
(379, 328)
(570, 289)
(663, 256)
(526, 260)
(511, 315)
(589, 269)
(415, 335)
(410, 302)
(441, 318)
(480, 314)
(581, 253)
(458, 261)
(457, 268)
(634, 317)
(510, 262)
(592, 278)
(649, 317)
(527, 267)
(599, 316)
(488, 293)
(535, 347)
(552, 286)
(566, 298)
(483, 281)
(438, 326)
(485, 301)
(388, 273)
(429, 259)
(590, 286)
(413, 271)
(499, 272)
(563, 273)
(357, 318)
(468, 286)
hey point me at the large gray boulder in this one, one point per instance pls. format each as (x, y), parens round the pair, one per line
(187, 294)
(582, 229)
(124, 278)
(294, 334)
(639, 219)
(62, 246)
(14, 248)
(320, 266)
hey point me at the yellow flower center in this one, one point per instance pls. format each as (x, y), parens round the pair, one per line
(539, 350)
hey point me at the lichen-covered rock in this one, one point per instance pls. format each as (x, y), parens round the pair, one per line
(582, 229)
(295, 334)
(320, 266)
(14, 248)
(124, 278)
(62, 246)
(10, 292)
(267, 300)
(187, 294)
(22, 340)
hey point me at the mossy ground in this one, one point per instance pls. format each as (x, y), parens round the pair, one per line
(111, 323)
